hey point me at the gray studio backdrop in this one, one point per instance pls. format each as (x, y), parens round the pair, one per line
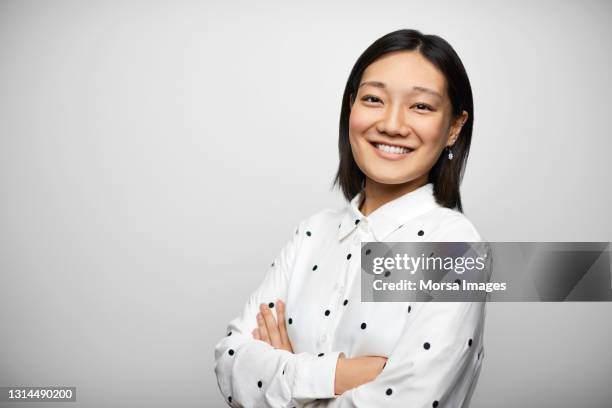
(155, 156)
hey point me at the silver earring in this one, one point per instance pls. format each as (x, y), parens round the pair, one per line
(450, 153)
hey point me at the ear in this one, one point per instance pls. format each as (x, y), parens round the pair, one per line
(456, 128)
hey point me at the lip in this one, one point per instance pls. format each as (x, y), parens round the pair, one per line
(373, 142)
(390, 156)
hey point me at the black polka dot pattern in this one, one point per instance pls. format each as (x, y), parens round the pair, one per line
(334, 272)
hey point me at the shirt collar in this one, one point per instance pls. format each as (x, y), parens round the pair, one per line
(390, 216)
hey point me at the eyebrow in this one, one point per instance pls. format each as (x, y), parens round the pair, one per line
(379, 84)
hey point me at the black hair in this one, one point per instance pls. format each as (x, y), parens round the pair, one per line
(445, 174)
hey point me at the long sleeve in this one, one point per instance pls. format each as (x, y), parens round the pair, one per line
(438, 356)
(434, 354)
(251, 373)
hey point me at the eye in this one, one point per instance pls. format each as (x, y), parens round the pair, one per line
(421, 106)
(370, 98)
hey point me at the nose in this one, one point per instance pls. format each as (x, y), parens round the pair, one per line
(394, 122)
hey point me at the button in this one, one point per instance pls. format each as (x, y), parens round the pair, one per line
(323, 338)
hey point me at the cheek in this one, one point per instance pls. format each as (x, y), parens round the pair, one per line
(360, 120)
(358, 126)
(432, 132)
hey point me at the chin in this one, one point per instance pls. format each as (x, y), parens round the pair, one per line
(389, 179)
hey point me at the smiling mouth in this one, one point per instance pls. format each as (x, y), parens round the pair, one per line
(391, 150)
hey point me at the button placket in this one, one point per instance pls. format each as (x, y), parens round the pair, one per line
(354, 251)
(363, 234)
(325, 327)
(331, 313)
(336, 307)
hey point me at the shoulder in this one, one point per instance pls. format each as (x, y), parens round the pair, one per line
(452, 225)
(325, 216)
(322, 222)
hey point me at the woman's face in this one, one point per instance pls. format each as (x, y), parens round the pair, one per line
(401, 101)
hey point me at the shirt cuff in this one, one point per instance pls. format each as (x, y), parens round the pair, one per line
(315, 376)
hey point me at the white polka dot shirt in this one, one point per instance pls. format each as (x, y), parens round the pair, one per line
(434, 349)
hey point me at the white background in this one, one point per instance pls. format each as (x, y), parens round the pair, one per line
(155, 156)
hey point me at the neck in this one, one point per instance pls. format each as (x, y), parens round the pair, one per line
(378, 194)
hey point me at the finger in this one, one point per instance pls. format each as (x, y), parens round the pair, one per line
(256, 334)
(261, 329)
(382, 362)
(282, 327)
(271, 325)
(263, 332)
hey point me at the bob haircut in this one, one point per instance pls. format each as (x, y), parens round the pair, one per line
(445, 174)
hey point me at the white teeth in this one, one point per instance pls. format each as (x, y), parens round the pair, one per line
(392, 149)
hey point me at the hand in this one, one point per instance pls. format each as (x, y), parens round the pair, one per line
(271, 332)
(353, 372)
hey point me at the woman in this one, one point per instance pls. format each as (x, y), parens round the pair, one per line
(304, 337)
